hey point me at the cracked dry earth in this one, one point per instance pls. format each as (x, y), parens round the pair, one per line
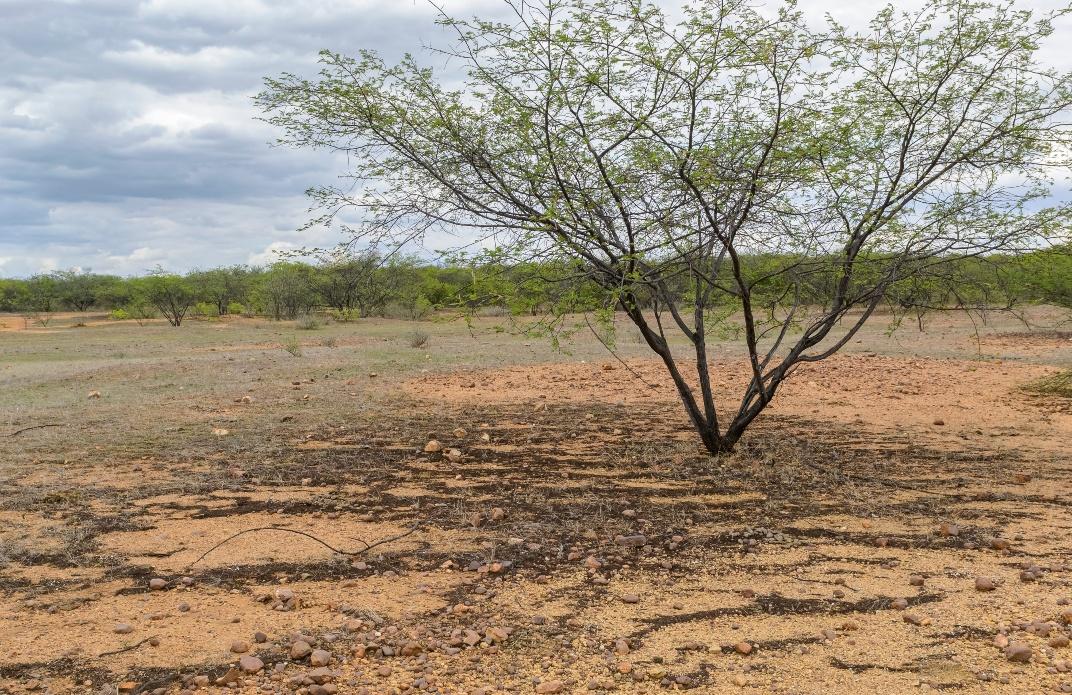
(892, 525)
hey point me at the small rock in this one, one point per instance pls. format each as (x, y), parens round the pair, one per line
(985, 584)
(300, 650)
(550, 687)
(239, 647)
(157, 584)
(250, 664)
(123, 629)
(1019, 652)
(320, 657)
(743, 648)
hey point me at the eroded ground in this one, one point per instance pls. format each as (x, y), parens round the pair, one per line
(578, 540)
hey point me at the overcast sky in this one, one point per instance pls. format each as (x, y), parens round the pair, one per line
(127, 134)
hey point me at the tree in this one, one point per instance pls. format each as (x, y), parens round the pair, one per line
(656, 152)
(288, 290)
(222, 286)
(81, 290)
(170, 294)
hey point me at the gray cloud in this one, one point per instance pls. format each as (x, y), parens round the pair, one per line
(127, 134)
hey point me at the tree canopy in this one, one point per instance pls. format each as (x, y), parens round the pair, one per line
(655, 151)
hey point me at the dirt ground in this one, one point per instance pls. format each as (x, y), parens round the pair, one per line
(899, 520)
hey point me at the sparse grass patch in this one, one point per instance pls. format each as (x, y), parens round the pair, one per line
(293, 346)
(331, 341)
(419, 339)
(1059, 384)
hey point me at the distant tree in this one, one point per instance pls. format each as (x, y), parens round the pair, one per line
(43, 293)
(664, 155)
(169, 294)
(221, 287)
(14, 295)
(287, 290)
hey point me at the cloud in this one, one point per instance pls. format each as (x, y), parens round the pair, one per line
(128, 137)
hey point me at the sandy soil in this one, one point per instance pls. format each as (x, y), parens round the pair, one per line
(579, 536)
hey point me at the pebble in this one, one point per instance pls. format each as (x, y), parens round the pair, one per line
(743, 648)
(320, 657)
(1019, 652)
(985, 584)
(550, 687)
(300, 650)
(123, 629)
(239, 647)
(157, 584)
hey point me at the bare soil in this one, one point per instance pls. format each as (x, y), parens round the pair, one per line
(905, 468)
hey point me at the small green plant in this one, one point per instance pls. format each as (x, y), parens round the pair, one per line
(307, 322)
(293, 346)
(236, 308)
(419, 339)
(119, 314)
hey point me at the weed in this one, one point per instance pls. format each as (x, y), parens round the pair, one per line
(293, 346)
(419, 339)
(330, 341)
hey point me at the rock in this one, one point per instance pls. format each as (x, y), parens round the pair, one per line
(498, 514)
(260, 638)
(123, 629)
(93, 394)
(985, 584)
(550, 687)
(239, 647)
(743, 648)
(592, 563)
(300, 650)
(471, 637)
(157, 584)
(636, 541)
(1000, 544)
(912, 618)
(250, 664)
(915, 580)
(1059, 642)
(899, 604)
(1019, 652)
(453, 455)
(631, 598)
(433, 447)
(949, 530)
(459, 433)
(740, 680)
(320, 657)
(939, 421)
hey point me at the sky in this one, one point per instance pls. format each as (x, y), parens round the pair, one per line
(128, 137)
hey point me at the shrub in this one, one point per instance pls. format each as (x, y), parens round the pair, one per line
(293, 346)
(418, 339)
(236, 308)
(204, 309)
(307, 322)
(330, 341)
(119, 314)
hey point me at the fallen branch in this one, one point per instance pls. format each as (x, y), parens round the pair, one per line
(127, 648)
(348, 553)
(36, 427)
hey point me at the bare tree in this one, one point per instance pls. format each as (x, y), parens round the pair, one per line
(737, 153)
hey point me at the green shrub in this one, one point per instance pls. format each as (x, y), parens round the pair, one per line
(119, 314)
(293, 346)
(1057, 385)
(204, 310)
(236, 308)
